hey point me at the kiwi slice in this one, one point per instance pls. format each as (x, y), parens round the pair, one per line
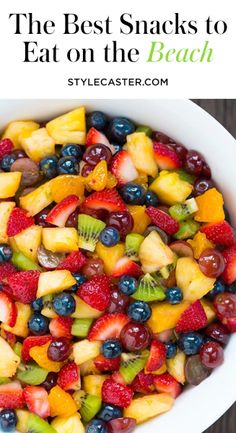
(89, 405)
(18, 348)
(187, 229)
(47, 309)
(36, 424)
(89, 230)
(149, 289)
(132, 245)
(132, 364)
(4, 380)
(31, 374)
(24, 263)
(144, 128)
(80, 327)
(183, 175)
(181, 211)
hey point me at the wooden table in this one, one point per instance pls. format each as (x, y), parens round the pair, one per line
(224, 110)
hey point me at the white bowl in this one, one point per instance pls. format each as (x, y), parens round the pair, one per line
(198, 407)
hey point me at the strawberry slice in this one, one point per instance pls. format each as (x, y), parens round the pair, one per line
(108, 326)
(167, 383)
(73, 262)
(24, 285)
(192, 319)
(36, 398)
(108, 199)
(162, 220)
(220, 233)
(126, 266)
(61, 327)
(18, 221)
(104, 364)
(69, 377)
(116, 393)
(33, 341)
(61, 212)
(9, 337)
(6, 269)
(8, 311)
(96, 137)
(166, 157)
(6, 147)
(96, 292)
(143, 383)
(229, 274)
(11, 395)
(123, 168)
(156, 357)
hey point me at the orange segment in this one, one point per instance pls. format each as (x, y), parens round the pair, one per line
(39, 355)
(97, 179)
(111, 180)
(199, 244)
(210, 207)
(61, 403)
(141, 219)
(65, 185)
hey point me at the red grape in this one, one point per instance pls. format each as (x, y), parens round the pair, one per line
(225, 304)
(50, 381)
(194, 162)
(122, 221)
(40, 218)
(212, 354)
(73, 219)
(180, 150)
(161, 138)
(135, 336)
(93, 267)
(211, 263)
(219, 332)
(121, 425)
(86, 169)
(201, 186)
(100, 214)
(206, 171)
(59, 350)
(119, 302)
(96, 153)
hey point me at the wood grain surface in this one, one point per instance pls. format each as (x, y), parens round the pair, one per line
(224, 110)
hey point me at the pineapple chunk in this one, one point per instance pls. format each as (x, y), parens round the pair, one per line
(154, 254)
(84, 311)
(22, 420)
(27, 242)
(140, 217)
(140, 148)
(37, 200)
(9, 184)
(191, 280)
(38, 144)
(209, 310)
(61, 240)
(5, 212)
(149, 406)
(88, 368)
(9, 361)
(176, 367)
(110, 255)
(85, 350)
(170, 188)
(20, 127)
(69, 128)
(49, 312)
(71, 424)
(54, 282)
(21, 326)
(165, 316)
(92, 384)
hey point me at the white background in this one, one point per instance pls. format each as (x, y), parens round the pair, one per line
(186, 80)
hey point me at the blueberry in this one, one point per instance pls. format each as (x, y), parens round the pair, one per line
(139, 311)
(190, 343)
(117, 147)
(64, 304)
(128, 285)
(171, 349)
(133, 193)
(231, 288)
(109, 236)
(7, 162)
(174, 295)
(151, 199)
(218, 287)
(48, 166)
(37, 304)
(96, 426)
(38, 324)
(8, 420)
(80, 279)
(119, 128)
(68, 165)
(109, 412)
(72, 150)
(111, 349)
(5, 253)
(97, 119)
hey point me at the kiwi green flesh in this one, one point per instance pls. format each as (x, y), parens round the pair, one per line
(187, 229)
(31, 374)
(132, 245)
(89, 229)
(90, 406)
(38, 425)
(132, 364)
(80, 327)
(24, 263)
(149, 290)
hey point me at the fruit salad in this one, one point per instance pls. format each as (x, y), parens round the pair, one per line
(117, 274)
